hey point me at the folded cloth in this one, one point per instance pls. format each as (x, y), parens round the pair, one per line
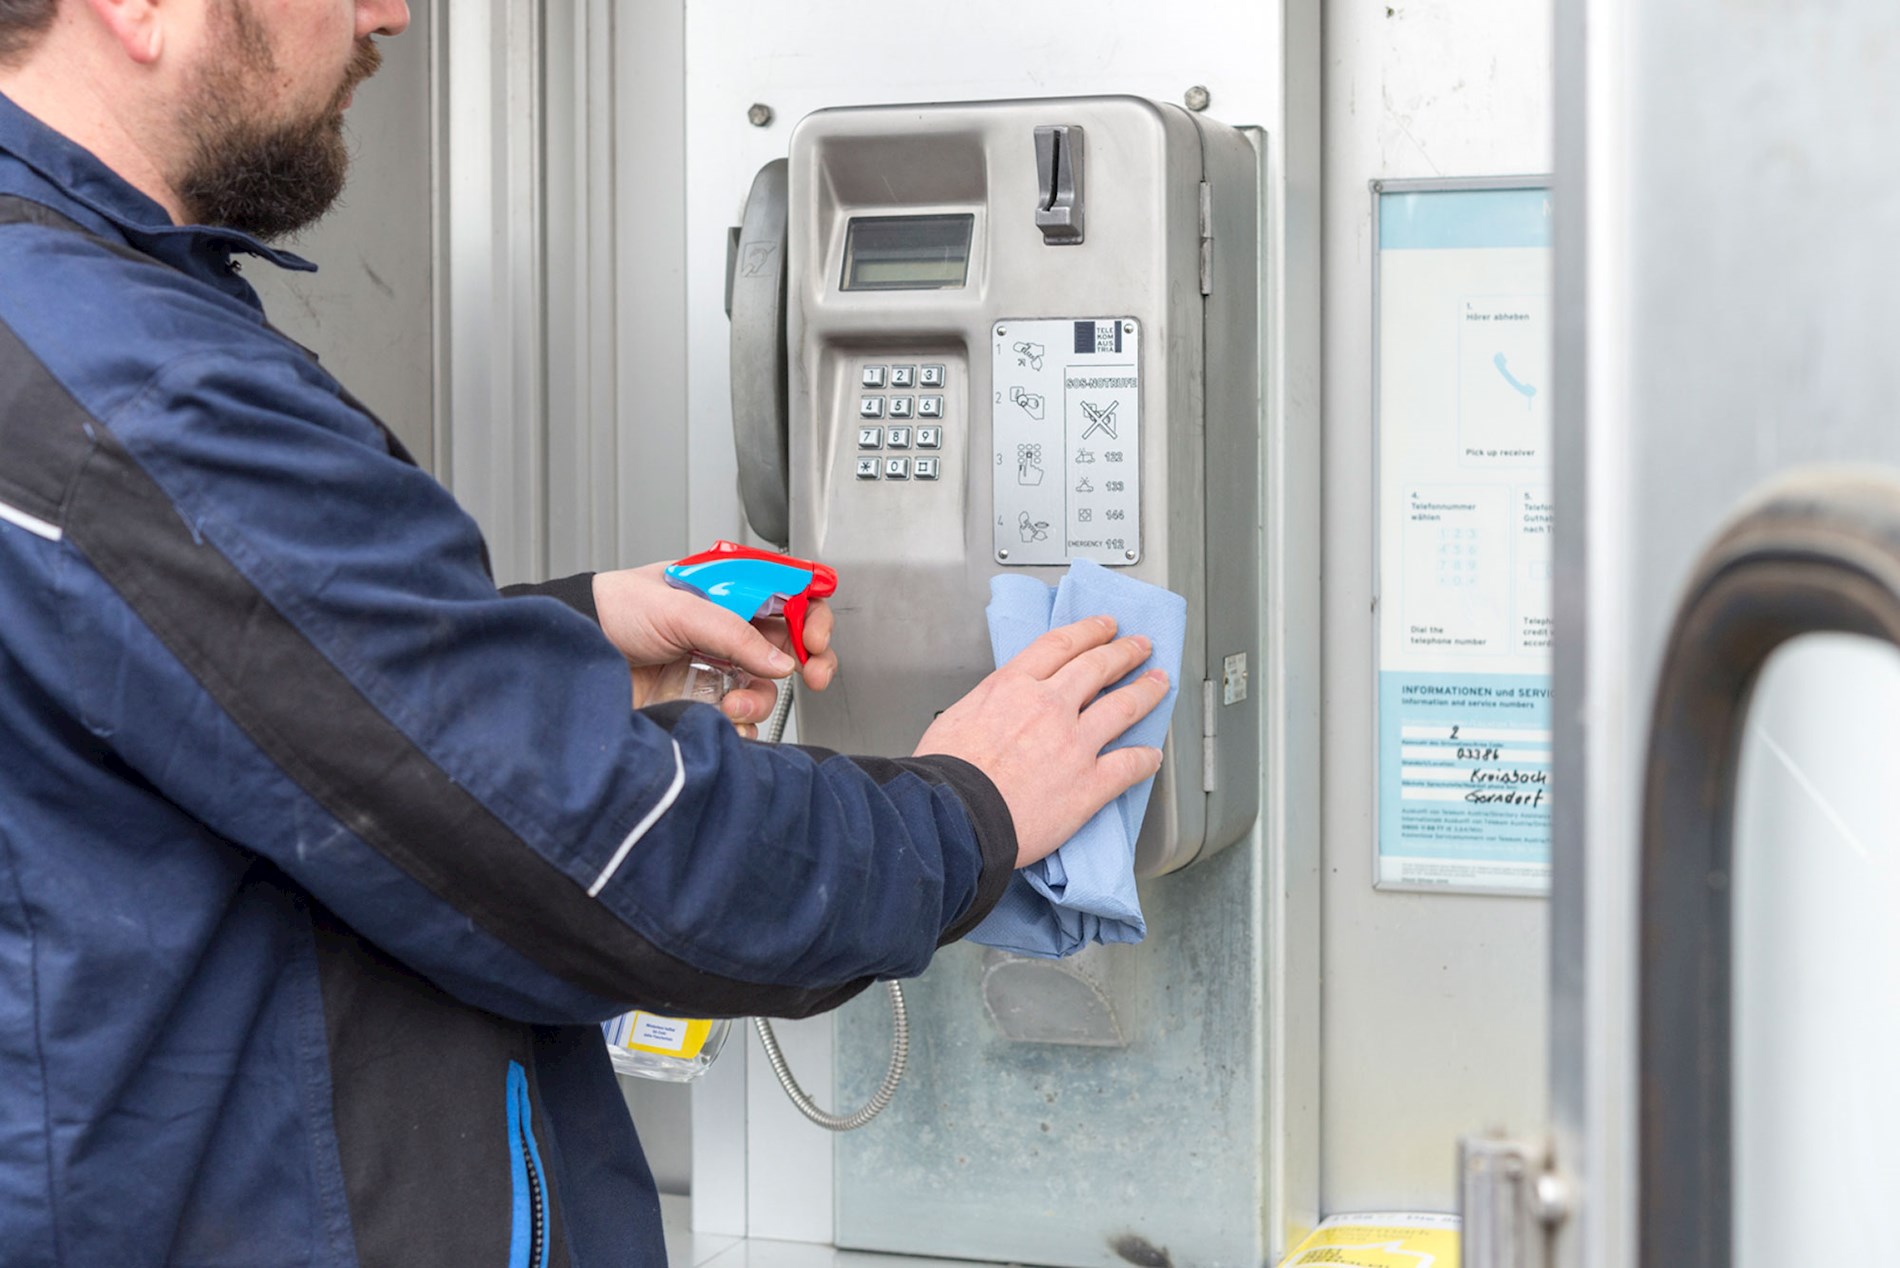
(1085, 891)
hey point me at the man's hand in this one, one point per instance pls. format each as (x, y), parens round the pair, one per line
(1037, 729)
(654, 624)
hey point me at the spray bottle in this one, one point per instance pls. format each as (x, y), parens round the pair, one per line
(751, 584)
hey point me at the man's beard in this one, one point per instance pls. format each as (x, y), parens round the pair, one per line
(246, 172)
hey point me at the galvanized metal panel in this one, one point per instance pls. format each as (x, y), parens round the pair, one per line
(1434, 1005)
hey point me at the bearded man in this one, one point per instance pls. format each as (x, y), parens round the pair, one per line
(320, 859)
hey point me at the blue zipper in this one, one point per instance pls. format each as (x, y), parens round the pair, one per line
(528, 1248)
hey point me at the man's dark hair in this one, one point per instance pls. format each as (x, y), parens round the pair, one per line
(22, 22)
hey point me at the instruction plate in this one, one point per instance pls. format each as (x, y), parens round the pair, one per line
(1066, 417)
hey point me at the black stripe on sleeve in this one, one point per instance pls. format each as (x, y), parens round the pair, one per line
(317, 728)
(576, 591)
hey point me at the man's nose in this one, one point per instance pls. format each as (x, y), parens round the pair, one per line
(381, 17)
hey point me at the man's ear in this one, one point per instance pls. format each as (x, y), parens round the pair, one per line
(137, 25)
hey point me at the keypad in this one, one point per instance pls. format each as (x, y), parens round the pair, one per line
(887, 391)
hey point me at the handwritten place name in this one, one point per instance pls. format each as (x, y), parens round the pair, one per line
(1484, 797)
(1483, 776)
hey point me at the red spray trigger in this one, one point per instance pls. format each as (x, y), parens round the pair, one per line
(756, 583)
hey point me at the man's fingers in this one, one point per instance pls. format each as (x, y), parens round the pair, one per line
(1083, 678)
(719, 633)
(818, 626)
(1107, 719)
(1125, 767)
(1042, 658)
(820, 670)
(751, 704)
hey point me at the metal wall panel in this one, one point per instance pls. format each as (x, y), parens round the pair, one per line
(1730, 216)
(1434, 1004)
(369, 310)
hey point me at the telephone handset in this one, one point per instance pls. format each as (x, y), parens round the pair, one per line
(755, 301)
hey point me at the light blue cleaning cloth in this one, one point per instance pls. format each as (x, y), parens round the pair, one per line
(1085, 891)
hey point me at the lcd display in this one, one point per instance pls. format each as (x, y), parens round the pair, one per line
(906, 253)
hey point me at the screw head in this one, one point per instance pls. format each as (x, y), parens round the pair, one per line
(1129, 555)
(1128, 327)
(759, 115)
(1002, 554)
(1197, 98)
(1002, 330)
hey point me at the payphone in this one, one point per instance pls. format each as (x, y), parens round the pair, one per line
(976, 339)
(1005, 336)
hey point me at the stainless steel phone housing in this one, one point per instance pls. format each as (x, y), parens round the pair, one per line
(1162, 235)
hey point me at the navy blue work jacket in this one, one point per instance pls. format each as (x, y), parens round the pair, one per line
(320, 859)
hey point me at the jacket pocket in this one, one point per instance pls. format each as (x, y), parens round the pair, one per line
(528, 1248)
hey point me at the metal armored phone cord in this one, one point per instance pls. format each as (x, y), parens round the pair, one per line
(900, 1019)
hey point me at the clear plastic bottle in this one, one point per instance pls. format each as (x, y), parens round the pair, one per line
(651, 1045)
(699, 677)
(673, 1049)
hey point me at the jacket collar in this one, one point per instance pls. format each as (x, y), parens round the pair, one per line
(80, 178)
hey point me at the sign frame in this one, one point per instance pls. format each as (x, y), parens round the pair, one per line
(1381, 189)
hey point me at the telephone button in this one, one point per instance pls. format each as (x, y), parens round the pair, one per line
(870, 437)
(930, 407)
(898, 437)
(929, 438)
(867, 468)
(900, 407)
(871, 407)
(897, 468)
(903, 376)
(873, 376)
(926, 468)
(930, 376)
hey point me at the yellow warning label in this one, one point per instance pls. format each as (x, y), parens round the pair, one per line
(1386, 1240)
(667, 1036)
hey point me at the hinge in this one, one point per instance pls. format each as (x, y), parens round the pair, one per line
(1509, 1199)
(1207, 238)
(1208, 729)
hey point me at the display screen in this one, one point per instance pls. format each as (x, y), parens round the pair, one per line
(906, 253)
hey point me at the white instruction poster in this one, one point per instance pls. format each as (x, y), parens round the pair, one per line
(1464, 539)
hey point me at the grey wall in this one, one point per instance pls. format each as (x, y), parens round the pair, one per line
(369, 310)
(1434, 1005)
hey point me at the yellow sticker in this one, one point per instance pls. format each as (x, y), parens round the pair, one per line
(667, 1036)
(1380, 1241)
